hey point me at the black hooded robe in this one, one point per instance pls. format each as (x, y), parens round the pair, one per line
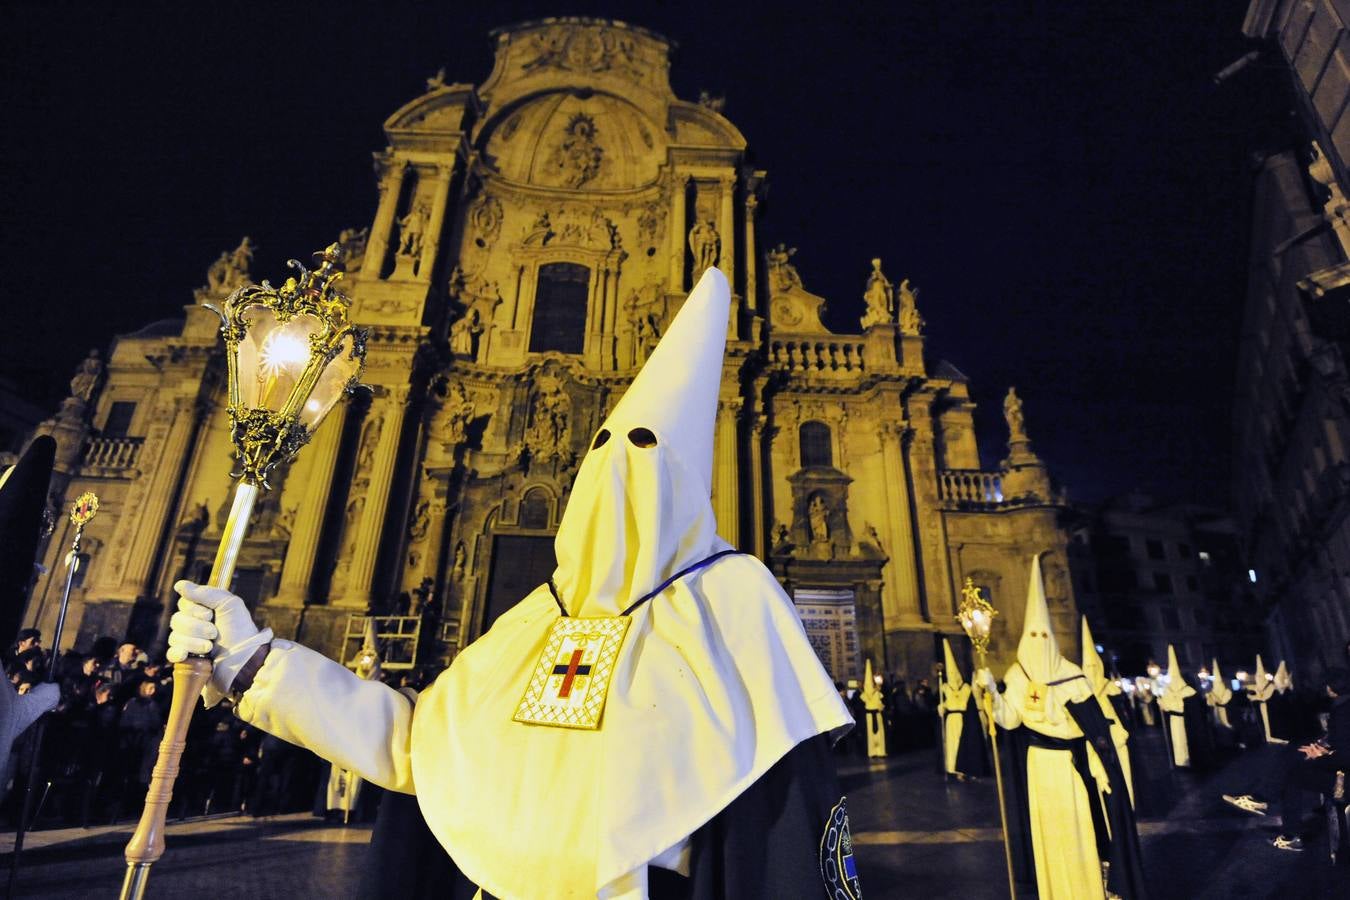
(787, 835)
(972, 757)
(1115, 827)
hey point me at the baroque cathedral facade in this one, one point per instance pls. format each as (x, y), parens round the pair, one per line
(533, 237)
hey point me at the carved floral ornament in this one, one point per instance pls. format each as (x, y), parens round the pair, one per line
(581, 48)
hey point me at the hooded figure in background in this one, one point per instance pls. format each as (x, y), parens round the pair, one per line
(23, 499)
(344, 785)
(1219, 696)
(1070, 808)
(1260, 692)
(1288, 721)
(651, 723)
(1106, 691)
(963, 743)
(875, 706)
(1185, 725)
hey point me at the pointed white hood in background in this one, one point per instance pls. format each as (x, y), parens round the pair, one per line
(1093, 667)
(1283, 681)
(637, 515)
(1261, 687)
(871, 694)
(1038, 650)
(953, 673)
(1219, 690)
(1174, 695)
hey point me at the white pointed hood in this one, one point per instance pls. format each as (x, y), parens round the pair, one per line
(953, 672)
(714, 681)
(1261, 687)
(1220, 692)
(1038, 650)
(871, 694)
(1177, 689)
(1260, 676)
(1093, 666)
(639, 514)
(1283, 681)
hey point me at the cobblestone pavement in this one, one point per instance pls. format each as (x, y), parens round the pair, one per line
(916, 837)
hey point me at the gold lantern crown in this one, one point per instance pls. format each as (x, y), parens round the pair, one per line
(292, 352)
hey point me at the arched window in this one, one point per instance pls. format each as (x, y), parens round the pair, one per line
(534, 509)
(815, 437)
(560, 308)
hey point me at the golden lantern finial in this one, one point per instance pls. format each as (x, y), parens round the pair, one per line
(976, 615)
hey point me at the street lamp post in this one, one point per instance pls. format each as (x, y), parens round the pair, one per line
(976, 615)
(291, 354)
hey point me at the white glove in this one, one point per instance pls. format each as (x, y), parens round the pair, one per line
(985, 679)
(230, 640)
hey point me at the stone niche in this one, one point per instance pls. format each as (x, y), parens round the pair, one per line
(820, 528)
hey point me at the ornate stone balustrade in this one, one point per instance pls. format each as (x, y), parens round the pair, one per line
(115, 453)
(821, 356)
(970, 487)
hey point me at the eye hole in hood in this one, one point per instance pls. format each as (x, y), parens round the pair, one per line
(642, 437)
(600, 439)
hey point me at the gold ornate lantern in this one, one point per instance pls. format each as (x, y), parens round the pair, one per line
(292, 352)
(976, 615)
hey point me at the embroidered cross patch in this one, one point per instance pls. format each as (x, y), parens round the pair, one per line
(1036, 697)
(571, 678)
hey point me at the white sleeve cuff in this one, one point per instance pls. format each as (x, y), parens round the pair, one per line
(227, 667)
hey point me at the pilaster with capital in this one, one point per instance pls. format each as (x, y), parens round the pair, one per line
(679, 189)
(900, 605)
(758, 429)
(431, 239)
(171, 426)
(931, 535)
(388, 410)
(726, 477)
(391, 188)
(298, 567)
(728, 230)
(751, 266)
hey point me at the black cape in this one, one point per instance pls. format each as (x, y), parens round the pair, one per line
(1115, 828)
(972, 759)
(787, 835)
(1199, 737)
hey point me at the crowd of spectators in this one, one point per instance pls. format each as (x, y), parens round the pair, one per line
(102, 739)
(909, 714)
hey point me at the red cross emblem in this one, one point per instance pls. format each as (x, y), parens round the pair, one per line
(569, 671)
(1035, 697)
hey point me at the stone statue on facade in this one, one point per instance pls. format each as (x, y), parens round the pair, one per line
(457, 413)
(457, 565)
(437, 81)
(817, 517)
(410, 230)
(879, 298)
(230, 271)
(352, 242)
(421, 522)
(910, 320)
(578, 156)
(707, 100)
(550, 432)
(370, 440)
(464, 333)
(1012, 412)
(284, 524)
(704, 242)
(85, 382)
(782, 273)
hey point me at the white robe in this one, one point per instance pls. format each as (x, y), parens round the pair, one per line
(954, 701)
(1059, 808)
(1173, 704)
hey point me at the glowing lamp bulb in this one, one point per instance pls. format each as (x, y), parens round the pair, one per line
(284, 352)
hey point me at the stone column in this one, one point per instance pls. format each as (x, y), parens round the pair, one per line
(678, 237)
(728, 231)
(175, 418)
(726, 478)
(298, 566)
(370, 526)
(900, 605)
(751, 261)
(391, 188)
(757, 427)
(431, 238)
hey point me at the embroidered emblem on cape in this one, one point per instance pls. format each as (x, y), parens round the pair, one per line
(837, 867)
(1036, 697)
(571, 678)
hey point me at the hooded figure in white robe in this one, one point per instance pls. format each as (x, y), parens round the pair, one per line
(1055, 785)
(1260, 692)
(963, 743)
(705, 762)
(1106, 690)
(875, 705)
(1219, 696)
(344, 785)
(1173, 706)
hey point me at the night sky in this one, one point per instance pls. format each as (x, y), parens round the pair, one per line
(1067, 189)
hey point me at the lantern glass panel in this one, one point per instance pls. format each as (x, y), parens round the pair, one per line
(273, 357)
(328, 389)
